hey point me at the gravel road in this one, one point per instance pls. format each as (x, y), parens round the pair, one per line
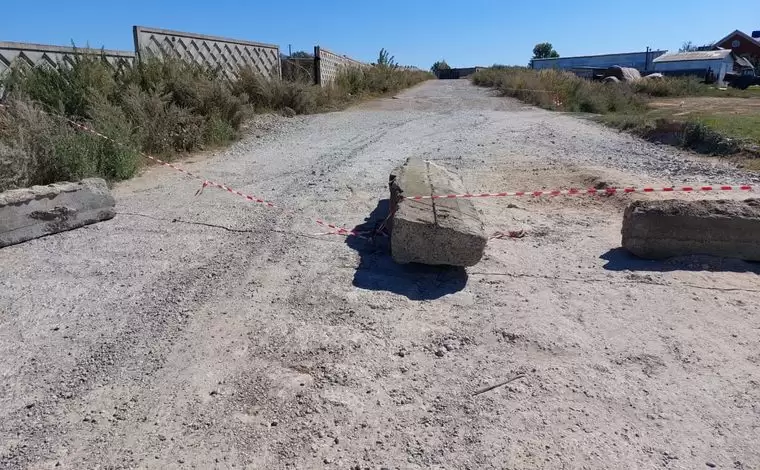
(209, 332)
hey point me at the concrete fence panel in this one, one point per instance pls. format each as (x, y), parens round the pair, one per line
(213, 51)
(38, 54)
(329, 64)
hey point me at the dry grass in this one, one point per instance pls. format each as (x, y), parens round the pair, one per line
(557, 90)
(161, 107)
(701, 117)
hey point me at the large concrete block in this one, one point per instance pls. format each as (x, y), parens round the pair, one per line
(662, 229)
(433, 231)
(30, 213)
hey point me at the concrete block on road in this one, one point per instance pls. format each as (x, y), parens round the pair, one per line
(664, 229)
(29, 213)
(433, 231)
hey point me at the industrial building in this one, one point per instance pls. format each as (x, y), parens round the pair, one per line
(642, 61)
(715, 64)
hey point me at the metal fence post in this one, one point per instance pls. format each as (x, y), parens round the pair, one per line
(135, 34)
(317, 67)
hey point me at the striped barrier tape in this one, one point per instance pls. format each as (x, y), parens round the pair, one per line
(338, 230)
(590, 191)
(205, 182)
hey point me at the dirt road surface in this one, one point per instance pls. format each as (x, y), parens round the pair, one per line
(210, 332)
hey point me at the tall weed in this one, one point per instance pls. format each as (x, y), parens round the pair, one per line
(158, 106)
(554, 89)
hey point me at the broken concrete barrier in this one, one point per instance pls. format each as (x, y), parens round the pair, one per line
(433, 231)
(34, 212)
(663, 229)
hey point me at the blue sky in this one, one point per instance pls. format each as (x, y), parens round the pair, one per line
(464, 32)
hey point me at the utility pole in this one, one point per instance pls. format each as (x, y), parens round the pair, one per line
(290, 51)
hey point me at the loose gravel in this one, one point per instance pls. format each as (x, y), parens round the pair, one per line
(208, 332)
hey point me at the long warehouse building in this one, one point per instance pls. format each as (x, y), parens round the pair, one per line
(638, 60)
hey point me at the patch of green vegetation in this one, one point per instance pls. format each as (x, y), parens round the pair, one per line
(156, 106)
(742, 127)
(745, 127)
(714, 135)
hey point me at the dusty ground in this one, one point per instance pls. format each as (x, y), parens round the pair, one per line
(208, 332)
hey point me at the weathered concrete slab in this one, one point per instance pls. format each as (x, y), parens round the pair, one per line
(663, 229)
(439, 231)
(30, 213)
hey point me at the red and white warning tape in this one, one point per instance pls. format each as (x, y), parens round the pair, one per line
(590, 191)
(205, 182)
(338, 230)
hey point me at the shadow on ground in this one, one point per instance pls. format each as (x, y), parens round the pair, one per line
(377, 270)
(621, 259)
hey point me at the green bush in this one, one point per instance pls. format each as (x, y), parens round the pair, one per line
(28, 137)
(379, 79)
(264, 94)
(65, 89)
(156, 106)
(351, 81)
(47, 151)
(698, 136)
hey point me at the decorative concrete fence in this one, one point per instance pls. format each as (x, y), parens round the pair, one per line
(213, 51)
(329, 64)
(37, 54)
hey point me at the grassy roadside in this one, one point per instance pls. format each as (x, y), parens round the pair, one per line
(707, 131)
(678, 111)
(161, 107)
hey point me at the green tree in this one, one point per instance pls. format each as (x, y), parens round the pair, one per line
(544, 50)
(440, 65)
